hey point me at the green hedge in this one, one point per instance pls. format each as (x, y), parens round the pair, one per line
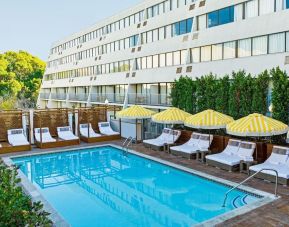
(16, 208)
(237, 95)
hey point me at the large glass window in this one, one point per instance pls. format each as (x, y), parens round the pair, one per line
(238, 12)
(183, 27)
(287, 41)
(217, 52)
(277, 43)
(251, 9)
(155, 61)
(169, 59)
(162, 60)
(259, 45)
(206, 53)
(161, 33)
(287, 4)
(202, 22)
(222, 16)
(189, 24)
(155, 35)
(168, 31)
(149, 62)
(183, 57)
(195, 55)
(279, 5)
(267, 6)
(229, 50)
(176, 29)
(149, 36)
(244, 48)
(144, 63)
(177, 57)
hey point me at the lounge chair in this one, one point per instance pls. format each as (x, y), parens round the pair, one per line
(105, 129)
(46, 136)
(279, 161)
(230, 158)
(188, 149)
(65, 133)
(87, 131)
(16, 137)
(168, 137)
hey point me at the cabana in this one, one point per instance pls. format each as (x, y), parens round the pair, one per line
(89, 119)
(14, 131)
(47, 125)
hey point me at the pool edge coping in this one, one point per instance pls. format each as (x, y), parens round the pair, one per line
(58, 220)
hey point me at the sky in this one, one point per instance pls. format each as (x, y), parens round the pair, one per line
(33, 25)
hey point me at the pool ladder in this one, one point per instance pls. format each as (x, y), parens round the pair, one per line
(128, 142)
(250, 177)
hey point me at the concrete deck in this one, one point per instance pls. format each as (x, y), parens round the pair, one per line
(275, 213)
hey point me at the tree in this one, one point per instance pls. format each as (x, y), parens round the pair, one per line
(20, 76)
(222, 95)
(201, 99)
(183, 94)
(280, 95)
(260, 93)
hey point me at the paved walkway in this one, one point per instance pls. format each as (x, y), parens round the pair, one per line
(272, 214)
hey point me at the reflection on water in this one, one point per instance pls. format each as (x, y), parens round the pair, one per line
(123, 190)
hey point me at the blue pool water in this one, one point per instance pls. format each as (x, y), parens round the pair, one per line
(102, 187)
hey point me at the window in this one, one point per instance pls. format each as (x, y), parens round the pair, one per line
(217, 52)
(202, 22)
(174, 4)
(276, 43)
(169, 59)
(244, 48)
(149, 36)
(155, 35)
(279, 5)
(195, 55)
(144, 38)
(183, 57)
(267, 6)
(287, 41)
(229, 50)
(149, 62)
(143, 63)
(162, 60)
(162, 33)
(259, 45)
(238, 12)
(183, 27)
(287, 4)
(222, 16)
(168, 31)
(176, 29)
(155, 61)
(206, 53)
(189, 25)
(177, 57)
(251, 9)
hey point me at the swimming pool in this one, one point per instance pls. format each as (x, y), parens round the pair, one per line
(102, 186)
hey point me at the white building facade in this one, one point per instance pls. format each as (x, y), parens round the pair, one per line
(135, 56)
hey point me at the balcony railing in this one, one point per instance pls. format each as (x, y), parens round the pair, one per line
(134, 98)
(44, 95)
(78, 97)
(58, 96)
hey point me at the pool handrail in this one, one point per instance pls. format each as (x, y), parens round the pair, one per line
(250, 177)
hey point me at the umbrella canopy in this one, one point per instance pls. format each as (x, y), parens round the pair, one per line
(171, 116)
(256, 125)
(135, 112)
(208, 119)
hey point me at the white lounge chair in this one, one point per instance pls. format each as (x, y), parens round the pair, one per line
(65, 133)
(189, 148)
(87, 131)
(229, 158)
(168, 137)
(279, 161)
(46, 136)
(16, 137)
(105, 129)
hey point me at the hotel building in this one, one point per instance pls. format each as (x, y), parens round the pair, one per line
(135, 56)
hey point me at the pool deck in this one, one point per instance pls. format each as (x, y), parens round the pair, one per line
(275, 213)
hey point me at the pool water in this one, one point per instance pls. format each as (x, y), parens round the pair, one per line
(103, 187)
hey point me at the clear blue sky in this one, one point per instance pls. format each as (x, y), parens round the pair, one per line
(33, 25)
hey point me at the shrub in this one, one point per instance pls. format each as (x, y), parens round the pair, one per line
(16, 208)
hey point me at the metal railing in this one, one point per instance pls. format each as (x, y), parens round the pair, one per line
(250, 177)
(58, 96)
(78, 97)
(128, 142)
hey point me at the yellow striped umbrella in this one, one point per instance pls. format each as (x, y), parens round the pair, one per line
(208, 119)
(256, 125)
(171, 116)
(135, 112)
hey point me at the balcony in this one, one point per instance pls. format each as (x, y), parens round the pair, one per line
(82, 97)
(134, 98)
(44, 95)
(58, 96)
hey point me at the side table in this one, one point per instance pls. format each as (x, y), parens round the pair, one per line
(201, 155)
(245, 165)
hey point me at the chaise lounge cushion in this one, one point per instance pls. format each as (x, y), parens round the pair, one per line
(226, 159)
